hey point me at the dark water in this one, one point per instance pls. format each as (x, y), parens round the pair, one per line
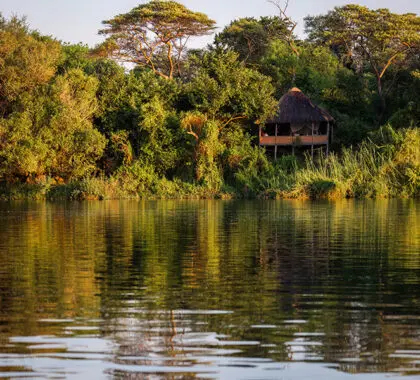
(210, 289)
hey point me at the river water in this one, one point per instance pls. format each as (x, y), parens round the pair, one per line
(210, 290)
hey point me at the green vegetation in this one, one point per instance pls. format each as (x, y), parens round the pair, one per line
(154, 35)
(178, 123)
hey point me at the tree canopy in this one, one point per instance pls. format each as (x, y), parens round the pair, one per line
(250, 37)
(26, 60)
(372, 39)
(154, 35)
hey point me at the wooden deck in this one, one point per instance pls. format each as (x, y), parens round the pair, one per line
(294, 140)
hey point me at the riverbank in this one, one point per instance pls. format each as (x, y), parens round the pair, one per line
(385, 166)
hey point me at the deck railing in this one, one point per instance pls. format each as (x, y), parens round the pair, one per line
(294, 140)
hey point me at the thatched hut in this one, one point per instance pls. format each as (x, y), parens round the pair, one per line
(298, 122)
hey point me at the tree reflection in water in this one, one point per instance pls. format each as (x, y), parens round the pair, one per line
(177, 283)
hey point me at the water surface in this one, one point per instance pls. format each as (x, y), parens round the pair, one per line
(210, 289)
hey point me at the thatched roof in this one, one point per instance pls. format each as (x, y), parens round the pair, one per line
(296, 108)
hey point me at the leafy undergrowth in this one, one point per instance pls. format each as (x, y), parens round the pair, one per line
(385, 166)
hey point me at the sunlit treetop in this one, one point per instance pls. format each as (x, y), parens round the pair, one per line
(367, 38)
(250, 37)
(361, 31)
(154, 35)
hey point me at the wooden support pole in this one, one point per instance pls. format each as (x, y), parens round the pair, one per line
(312, 146)
(293, 140)
(328, 138)
(275, 145)
(259, 136)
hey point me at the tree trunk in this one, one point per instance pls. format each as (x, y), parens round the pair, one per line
(381, 97)
(171, 63)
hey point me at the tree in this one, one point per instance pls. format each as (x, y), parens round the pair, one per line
(51, 131)
(314, 71)
(154, 35)
(287, 33)
(27, 60)
(250, 37)
(224, 89)
(222, 95)
(75, 145)
(376, 39)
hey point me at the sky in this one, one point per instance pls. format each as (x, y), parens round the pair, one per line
(79, 20)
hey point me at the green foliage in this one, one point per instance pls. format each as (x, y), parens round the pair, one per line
(27, 60)
(249, 37)
(77, 146)
(140, 180)
(280, 64)
(53, 134)
(162, 136)
(386, 166)
(244, 164)
(137, 178)
(21, 154)
(140, 107)
(208, 170)
(78, 126)
(154, 35)
(225, 89)
(77, 56)
(314, 71)
(365, 38)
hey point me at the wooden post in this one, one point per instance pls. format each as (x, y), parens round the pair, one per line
(259, 136)
(293, 140)
(275, 145)
(328, 138)
(312, 146)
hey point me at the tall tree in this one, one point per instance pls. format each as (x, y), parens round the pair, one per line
(249, 37)
(27, 60)
(154, 35)
(286, 34)
(376, 39)
(225, 90)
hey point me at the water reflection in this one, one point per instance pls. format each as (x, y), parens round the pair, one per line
(210, 289)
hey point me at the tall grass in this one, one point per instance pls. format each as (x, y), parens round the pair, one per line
(386, 165)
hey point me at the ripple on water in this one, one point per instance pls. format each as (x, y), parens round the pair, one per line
(205, 289)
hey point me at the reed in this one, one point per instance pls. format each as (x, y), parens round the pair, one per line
(385, 165)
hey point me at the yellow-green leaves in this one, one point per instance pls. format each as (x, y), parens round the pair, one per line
(26, 59)
(45, 118)
(376, 39)
(154, 35)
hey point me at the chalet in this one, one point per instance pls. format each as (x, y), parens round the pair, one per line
(298, 123)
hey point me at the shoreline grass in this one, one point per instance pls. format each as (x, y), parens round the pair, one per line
(387, 165)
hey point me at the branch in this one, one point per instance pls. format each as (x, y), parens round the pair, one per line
(289, 24)
(171, 63)
(391, 59)
(190, 132)
(179, 49)
(372, 62)
(282, 11)
(232, 119)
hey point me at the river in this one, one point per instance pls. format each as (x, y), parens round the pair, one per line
(210, 289)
